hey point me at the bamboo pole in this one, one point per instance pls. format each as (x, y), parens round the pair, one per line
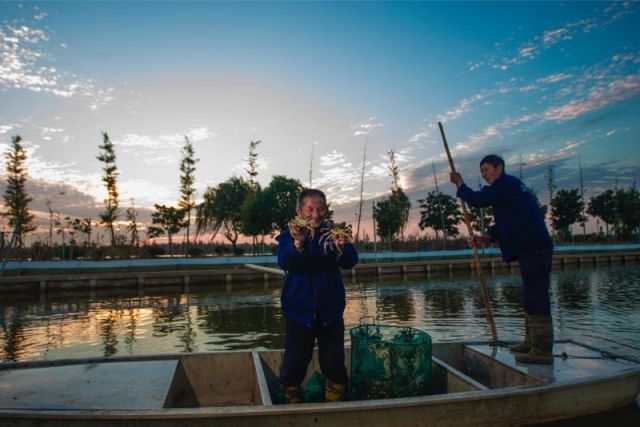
(481, 276)
(275, 271)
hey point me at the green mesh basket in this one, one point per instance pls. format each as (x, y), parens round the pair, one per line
(389, 361)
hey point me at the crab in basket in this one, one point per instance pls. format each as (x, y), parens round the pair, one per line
(301, 225)
(334, 232)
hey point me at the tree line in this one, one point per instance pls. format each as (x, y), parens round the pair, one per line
(242, 207)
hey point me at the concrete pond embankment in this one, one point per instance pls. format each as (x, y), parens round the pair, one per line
(44, 277)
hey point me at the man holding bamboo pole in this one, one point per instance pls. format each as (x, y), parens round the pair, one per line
(522, 235)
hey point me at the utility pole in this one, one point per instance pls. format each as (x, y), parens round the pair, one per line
(551, 186)
(444, 228)
(375, 246)
(584, 225)
(311, 168)
(364, 162)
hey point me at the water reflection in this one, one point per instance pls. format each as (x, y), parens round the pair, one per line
(596, 306)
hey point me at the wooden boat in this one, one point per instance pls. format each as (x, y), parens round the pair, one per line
(472, 384)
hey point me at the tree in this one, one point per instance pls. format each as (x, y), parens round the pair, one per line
(398, 198)
(603, 207)
(221, 209)
(108, 157)
(440, 212)
(86, 228)
(252, 164)
(388, 220)
(282, 192)
(15, 196)
(566, 209)
(132, 224)
(480, 218)
(627, 204)
(168, 220)
(251, 223)
(257, 216)
(187, 180)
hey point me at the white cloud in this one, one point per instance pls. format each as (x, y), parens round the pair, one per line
(366, 127)
(598, 97)
(24, 64)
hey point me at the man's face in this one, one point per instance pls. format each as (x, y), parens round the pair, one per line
(313, 208)
(490, 173)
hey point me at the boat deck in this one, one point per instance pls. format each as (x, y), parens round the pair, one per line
(580, 362)
(209, 379)
(121, 385)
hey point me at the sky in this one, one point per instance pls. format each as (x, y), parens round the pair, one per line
(539, 83)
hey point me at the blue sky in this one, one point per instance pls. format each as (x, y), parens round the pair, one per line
(548, 83)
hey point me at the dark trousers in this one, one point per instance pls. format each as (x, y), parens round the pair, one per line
(298, 350)
(535, 268)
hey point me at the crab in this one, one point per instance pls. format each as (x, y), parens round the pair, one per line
(334, 232)
(300, 225)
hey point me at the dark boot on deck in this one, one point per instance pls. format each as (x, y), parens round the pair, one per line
(292, 393)
(334, 392)
(524, 346)
(541, 328)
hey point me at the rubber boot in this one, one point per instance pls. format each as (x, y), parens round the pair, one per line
(524, 346)
(334, 392)
(292, 394)
(541, 341)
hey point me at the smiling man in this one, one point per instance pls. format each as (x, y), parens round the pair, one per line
(313, 298)
(522, 235)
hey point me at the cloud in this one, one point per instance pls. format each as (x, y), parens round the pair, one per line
(366, 127)
(25, 65)
(338, 177)
(598, 98)
(533, 48)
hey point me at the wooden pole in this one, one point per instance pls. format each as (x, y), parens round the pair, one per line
(274, 271)
(483, 281)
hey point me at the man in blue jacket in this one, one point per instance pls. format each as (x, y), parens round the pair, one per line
(313, 298)
(522, 234)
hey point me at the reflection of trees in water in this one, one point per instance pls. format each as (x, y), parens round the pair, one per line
(573, 293)
(13, 333)
(396, 302)
(108, 333)
(617, 288)
(444, 301)
(266, 320)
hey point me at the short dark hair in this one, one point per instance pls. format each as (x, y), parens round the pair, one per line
(310, 192)
(493, 159)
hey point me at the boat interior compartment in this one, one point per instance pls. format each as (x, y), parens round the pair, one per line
(92, 385)
(215, 379)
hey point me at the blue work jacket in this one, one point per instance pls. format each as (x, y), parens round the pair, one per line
(519, 225)
(313, 282)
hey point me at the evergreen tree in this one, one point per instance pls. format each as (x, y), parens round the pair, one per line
(252, 164)
(132, 224)
(398, 198)
(108, 157)
(187, 180)
(16, 199)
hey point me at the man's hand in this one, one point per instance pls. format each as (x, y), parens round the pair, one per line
(340, 242)
(456, 178)
(478, 240)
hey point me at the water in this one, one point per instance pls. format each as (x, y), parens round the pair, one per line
(595, 306)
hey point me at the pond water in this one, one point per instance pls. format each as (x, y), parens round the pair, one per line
(596, 306)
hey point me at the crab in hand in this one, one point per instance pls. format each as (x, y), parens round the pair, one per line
(336, 236)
